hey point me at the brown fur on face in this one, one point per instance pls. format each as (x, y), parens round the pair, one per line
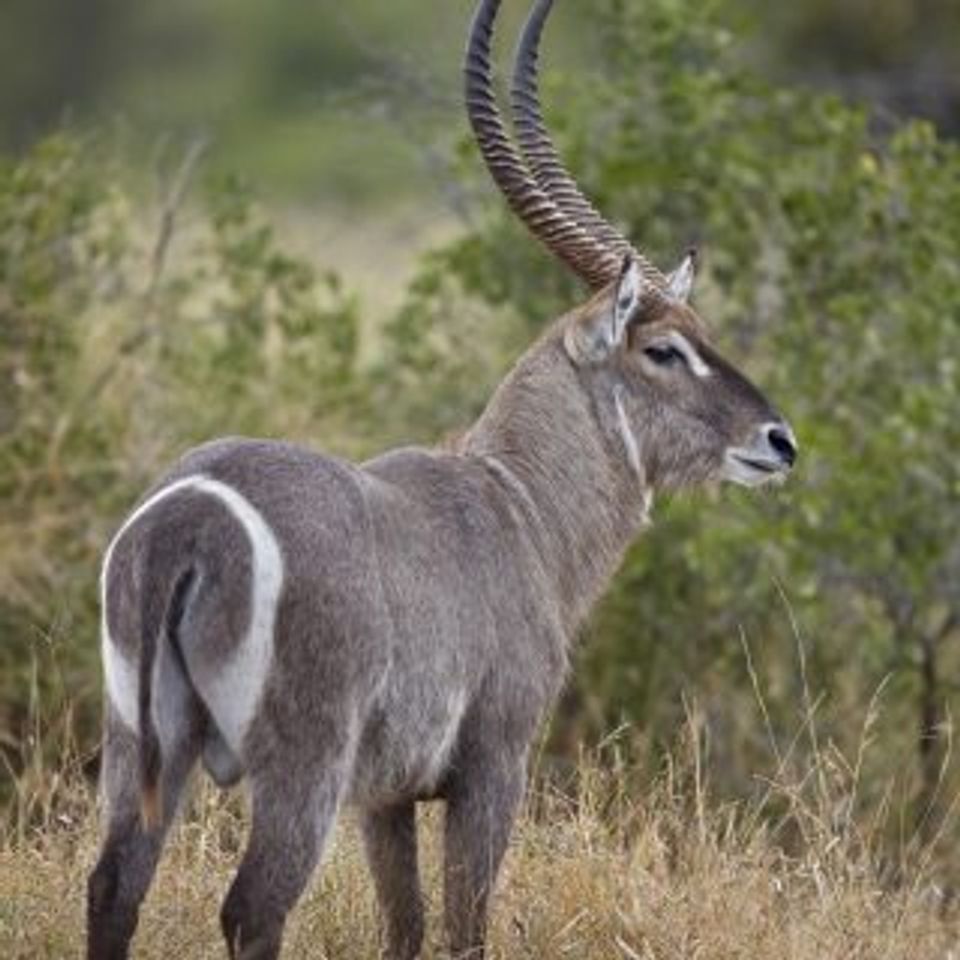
(683, 424)
(554, 423)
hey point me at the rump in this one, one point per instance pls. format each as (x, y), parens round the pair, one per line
(224, 636)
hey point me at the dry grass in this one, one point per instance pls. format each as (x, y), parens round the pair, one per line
(600, 871)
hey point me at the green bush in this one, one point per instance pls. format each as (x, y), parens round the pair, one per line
(126, 334)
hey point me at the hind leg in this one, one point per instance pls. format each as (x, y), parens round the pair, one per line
(294, 808)
(128, 859)
(390, 837)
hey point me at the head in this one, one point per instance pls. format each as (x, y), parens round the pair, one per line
(679, 412)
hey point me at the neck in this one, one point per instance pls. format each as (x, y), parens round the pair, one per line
(583, 495)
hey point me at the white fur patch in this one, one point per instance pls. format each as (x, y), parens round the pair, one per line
(632, 450)
(631, 447)
(119, 674)
(120, 679)
(233, 693)
(694, 360)
(456, 707)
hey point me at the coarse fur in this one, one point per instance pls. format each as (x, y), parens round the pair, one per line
(393, 632)
(429, 599)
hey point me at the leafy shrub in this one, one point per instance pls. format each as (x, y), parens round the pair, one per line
(121, 343)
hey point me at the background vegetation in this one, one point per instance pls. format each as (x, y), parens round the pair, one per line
(368, 289)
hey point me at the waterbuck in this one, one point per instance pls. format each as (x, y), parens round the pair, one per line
(392, 632)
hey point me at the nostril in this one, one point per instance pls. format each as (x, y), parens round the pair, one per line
(781, 441)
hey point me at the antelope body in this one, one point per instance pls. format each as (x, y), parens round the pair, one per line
(391, 632)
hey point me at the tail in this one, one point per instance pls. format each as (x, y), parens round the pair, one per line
(163, 624)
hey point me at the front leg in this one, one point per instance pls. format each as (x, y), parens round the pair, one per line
(390, 838)
(482, 804)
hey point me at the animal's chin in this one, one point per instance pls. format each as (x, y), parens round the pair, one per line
(752, 470)
(702, 474)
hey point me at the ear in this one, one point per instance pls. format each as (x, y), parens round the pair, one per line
(680, 282)
(626, 301)
(594, 338)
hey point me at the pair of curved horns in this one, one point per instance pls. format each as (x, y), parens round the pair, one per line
(533, 179)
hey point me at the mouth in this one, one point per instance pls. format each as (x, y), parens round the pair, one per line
(750, 470)
(755, 463)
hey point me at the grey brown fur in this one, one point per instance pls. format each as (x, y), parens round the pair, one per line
(429, 600)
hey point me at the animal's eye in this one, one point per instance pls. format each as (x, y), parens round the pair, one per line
(663, 354)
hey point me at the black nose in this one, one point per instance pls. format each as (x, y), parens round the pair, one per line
(781, 440)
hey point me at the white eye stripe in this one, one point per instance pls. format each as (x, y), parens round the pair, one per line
(694, 360)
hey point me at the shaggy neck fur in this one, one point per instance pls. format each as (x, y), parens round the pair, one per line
(589, 501)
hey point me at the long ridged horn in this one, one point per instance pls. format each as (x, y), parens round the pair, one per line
(544, 161)
(564, 237)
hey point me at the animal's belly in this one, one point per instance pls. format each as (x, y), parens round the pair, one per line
(406, 745)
